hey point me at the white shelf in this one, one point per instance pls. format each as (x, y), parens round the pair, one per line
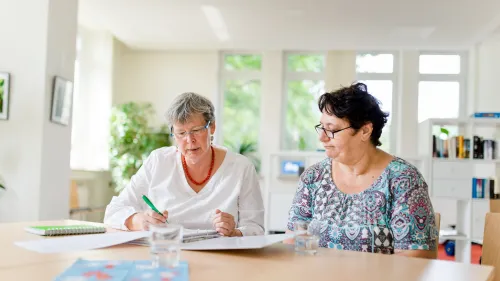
(474, 161)
(461, 237)
(464, 121)
(477, 241)
(450, 180)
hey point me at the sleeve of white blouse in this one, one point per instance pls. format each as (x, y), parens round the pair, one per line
(129, 201)
(251, 205)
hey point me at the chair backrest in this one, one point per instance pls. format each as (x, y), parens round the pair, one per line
(491, 243)
(438, 226)
(494, 206)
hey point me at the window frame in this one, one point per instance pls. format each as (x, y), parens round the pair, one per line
(394, 77)
(461, 78)
(226, 75)
(289, 76)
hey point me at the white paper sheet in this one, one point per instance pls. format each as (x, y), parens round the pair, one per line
(80, 242)
(234, 243)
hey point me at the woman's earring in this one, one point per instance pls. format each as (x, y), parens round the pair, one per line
(211, 139)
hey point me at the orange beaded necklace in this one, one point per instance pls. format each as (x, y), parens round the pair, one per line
(186, 172)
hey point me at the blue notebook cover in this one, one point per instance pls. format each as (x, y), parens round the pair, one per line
(121, 270)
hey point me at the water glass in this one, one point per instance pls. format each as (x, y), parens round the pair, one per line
(307, 237)
(165, 244)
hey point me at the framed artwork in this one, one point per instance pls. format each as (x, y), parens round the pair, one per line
(62, 98)
(4, 95)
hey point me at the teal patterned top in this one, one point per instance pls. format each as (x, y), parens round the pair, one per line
(395, 212)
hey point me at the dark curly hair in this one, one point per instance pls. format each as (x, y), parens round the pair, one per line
(357, 106)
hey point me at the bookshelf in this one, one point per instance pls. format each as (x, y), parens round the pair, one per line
(462, 168)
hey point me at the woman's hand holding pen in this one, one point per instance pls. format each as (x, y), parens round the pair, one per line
(142, 220)
(224, 224)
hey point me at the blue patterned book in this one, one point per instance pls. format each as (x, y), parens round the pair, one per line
(122, 270)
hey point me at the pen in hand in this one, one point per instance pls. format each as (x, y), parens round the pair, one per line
(150, 204)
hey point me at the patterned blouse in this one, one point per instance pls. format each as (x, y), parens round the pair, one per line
(395, 212)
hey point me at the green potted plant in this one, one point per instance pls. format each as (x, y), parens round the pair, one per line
(247, 148)
(132, 140)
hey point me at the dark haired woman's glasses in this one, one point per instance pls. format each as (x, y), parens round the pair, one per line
(328, 133)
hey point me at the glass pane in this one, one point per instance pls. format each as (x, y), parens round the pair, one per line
(302, 115)
(381, 90)
(241, 113)
(306, 63)
(439, 64)
(380, 63)
(242, 62)
(438, 100)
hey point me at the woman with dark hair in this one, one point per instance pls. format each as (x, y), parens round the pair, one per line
(363, 198)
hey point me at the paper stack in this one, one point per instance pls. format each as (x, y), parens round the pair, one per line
(189, 235)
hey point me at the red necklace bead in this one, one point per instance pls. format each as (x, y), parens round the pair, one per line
(186, 172)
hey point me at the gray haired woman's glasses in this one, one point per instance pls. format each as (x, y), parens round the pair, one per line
(328, 133)
(194, 132)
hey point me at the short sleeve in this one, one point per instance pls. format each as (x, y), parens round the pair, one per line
(301, 208)
(412, 215)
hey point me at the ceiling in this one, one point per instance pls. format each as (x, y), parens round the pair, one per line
(293, 24)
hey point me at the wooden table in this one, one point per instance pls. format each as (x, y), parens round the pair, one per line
(277, 262)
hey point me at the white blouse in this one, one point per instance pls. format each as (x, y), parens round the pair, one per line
(234, 189)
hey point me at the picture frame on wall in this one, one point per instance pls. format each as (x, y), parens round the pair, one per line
(4, 95)
(62, 100)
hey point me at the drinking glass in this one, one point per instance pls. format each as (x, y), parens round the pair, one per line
(307, 236)
(165, 244)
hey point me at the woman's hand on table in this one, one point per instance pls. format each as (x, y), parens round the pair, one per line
(142, 220)
(225, 225)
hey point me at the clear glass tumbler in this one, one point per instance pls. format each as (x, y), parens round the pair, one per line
(307, 234)
(165, 244)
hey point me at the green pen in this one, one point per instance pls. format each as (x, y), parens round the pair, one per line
(150, 204)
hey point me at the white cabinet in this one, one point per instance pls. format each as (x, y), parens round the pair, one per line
(450, 178)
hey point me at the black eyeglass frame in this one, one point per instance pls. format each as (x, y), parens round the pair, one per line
(332, 132)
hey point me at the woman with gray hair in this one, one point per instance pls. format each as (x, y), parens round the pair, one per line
(198, 184)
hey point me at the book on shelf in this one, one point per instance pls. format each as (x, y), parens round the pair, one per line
(486, 115)
(454, 147)
(486, 188)
(459, 147)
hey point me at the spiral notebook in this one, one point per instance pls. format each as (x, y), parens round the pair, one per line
(53, 230)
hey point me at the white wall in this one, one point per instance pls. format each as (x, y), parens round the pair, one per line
(34, 153)
(92, 103)
(158, 77)
(488, 68)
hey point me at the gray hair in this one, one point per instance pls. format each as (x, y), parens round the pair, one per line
(188, 104)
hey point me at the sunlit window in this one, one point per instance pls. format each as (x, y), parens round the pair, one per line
(375, 63)
(304, 84)
(377, 72)
(439, 87)
(241, 104)
(439, 64)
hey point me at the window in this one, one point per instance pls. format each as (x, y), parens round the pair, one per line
(439, 64)
(242, 62)
(440, 86)
(304, 82)
(375, 63)
(376, 70)
(241, 100)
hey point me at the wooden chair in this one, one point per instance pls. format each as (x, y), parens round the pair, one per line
(438, 226)
(491, 243)
(494, 205)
